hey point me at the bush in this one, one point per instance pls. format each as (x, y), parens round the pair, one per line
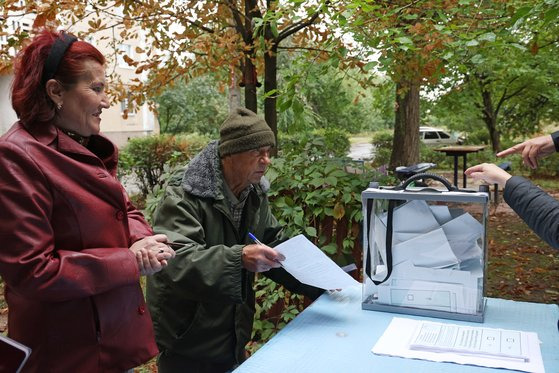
(548, 166)
(333, 142)
(478, 137)
(382, 143)
(144, 159)
(429, 155)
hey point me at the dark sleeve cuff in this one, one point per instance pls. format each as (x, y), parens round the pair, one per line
(555, 137)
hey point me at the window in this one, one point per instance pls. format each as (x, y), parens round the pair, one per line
(124, 106)
(444, 135)
(125, 109)
(124, 49)
(431, 135)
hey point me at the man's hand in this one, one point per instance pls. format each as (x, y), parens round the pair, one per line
(152, 253)
(489, 173)
(260, 258)
(532, 150)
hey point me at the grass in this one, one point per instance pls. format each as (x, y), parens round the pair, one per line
(362, 137)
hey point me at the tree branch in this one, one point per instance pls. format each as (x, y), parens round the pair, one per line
(238, 17)
(293, 28)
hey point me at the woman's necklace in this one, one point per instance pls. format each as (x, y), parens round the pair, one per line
(82, 140)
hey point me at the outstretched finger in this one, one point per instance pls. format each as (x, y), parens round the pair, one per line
(512, 150)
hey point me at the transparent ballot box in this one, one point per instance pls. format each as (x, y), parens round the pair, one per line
(424, 250)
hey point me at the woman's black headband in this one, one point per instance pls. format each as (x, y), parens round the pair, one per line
(59, 47)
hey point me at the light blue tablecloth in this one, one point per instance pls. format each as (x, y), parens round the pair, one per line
(335, 335)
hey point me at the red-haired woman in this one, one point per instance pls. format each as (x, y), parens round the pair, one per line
(72, 245)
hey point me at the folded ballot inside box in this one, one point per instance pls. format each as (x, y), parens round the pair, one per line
(425, 251)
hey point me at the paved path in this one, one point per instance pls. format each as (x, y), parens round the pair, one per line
(361, 151)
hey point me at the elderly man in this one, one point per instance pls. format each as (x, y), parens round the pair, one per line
(203, 302)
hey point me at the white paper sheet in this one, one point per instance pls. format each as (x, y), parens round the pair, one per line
(463, 233)
(410, 220)
(414, 217)
(441, 213)
(430, 250)
(308, 264)
(396, 339)
(472, 340)
(441, 289)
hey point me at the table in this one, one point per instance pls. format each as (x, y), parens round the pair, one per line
(459, 151)
(334, 335)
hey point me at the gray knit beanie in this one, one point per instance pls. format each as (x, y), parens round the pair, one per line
(243, 130)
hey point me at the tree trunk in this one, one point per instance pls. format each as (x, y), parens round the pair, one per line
(249, 70)
(234, 91)
(270, 84)
(490, 119)
(249, 75)
(405, 149)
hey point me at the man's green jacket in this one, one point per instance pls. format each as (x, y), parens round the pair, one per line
(202, 303)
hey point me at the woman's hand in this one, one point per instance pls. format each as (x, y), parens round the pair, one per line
(489, 173)
(152, 253)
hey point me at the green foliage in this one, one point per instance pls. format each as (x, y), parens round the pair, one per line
(309, 187)
(547, 167)
(485, 156)
(478, 137)
(156, 194)
(319, 95)
(196, 106)
(516, 94)
(144, 159)
(335, 142)
(382, 143)
(267, 323)
(429, 155)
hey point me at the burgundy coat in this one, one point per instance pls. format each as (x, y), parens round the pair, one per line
(72, 284)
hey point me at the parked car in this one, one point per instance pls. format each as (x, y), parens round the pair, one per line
(437, 136)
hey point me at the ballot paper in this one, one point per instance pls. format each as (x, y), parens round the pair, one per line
(445, 289)
(412, 219)
(480, 346)
(476, 341)
(441, 213)
(430, 250)
(463, 233)
(308, 264)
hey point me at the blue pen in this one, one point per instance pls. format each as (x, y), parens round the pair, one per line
(253, 237)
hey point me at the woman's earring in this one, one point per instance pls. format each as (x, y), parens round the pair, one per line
(59, 106)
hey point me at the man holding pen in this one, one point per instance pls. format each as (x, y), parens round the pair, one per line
(202, 304)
